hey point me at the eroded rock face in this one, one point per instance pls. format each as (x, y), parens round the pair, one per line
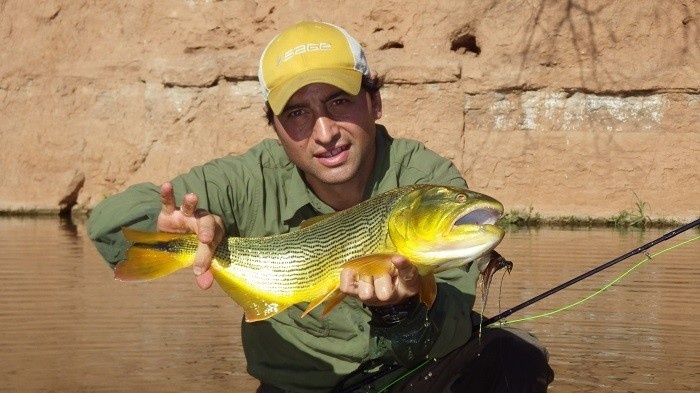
(567, 107)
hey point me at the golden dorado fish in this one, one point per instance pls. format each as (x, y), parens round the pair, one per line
(435, 227)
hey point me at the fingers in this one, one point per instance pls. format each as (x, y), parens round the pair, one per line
(363, 286)
(348, 282)
(189, 205)
(378, 290)
(202, 264)
(167, 198)
(188, 218)
(172, 219)
(406, 272)
(383, 289)
(205, 280)
(209, 226)
(210, 232)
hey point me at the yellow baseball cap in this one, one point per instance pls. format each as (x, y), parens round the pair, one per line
(310, 52)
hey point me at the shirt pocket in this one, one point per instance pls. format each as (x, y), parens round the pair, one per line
(337, 324)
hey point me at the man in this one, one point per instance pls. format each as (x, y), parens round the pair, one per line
(323, 101)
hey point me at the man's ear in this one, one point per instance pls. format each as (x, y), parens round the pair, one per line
(376, 98)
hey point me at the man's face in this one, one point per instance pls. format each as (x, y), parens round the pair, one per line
(329, 134)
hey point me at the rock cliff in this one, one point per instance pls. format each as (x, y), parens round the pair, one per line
(566, 107)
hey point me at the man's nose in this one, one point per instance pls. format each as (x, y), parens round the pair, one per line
(325, 129)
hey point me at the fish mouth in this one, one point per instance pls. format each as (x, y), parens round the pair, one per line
(479, 216)
(472, 235)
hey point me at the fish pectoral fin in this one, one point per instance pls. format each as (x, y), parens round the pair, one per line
(377, 264)
(371, 265)
(428, 290)
(333, 301)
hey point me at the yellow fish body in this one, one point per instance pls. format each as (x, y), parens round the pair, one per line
(435, 227)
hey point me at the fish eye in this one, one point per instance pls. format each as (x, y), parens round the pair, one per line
(461, 198)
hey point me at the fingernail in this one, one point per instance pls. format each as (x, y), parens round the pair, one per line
(197, 270)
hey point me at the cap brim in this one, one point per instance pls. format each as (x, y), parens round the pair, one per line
(345, 79)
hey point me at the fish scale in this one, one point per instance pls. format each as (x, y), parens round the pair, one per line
(313, 255)
(266, 275)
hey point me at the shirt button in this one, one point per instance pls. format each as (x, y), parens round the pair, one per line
(361, 327)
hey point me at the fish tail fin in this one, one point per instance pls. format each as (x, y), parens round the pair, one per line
(154, 255)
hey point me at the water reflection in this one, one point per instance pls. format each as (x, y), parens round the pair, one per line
(66, 325)
(640, 335)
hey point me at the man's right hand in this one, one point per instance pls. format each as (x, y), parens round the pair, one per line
(187, 219)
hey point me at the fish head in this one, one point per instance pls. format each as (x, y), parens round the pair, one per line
(440, 227)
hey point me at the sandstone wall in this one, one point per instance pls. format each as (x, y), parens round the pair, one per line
(567, 107)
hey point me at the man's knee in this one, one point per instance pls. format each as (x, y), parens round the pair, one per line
(509, 360)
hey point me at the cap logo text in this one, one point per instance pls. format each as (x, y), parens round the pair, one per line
(301, 49)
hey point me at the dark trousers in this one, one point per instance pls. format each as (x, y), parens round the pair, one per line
(500, 360)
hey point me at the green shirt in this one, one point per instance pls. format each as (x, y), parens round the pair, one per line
(261, 193)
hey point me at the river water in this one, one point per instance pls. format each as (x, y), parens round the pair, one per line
(67, 326)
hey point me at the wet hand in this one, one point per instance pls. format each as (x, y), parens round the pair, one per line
(393, 287)
(188, 218)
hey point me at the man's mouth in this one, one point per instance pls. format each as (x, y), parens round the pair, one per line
(332, 153)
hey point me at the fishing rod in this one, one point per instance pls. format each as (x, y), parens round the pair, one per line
(638, 250)
(387, 370)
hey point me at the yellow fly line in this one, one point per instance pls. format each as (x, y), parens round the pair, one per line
(611, 283)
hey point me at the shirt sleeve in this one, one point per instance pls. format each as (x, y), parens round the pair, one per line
(138, 207)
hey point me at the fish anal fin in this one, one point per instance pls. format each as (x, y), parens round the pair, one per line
(256, 306)
(255, 314)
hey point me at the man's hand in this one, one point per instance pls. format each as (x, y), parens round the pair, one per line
(208, 227)
(391, 288)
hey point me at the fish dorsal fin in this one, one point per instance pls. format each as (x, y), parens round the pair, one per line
(314, 220)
